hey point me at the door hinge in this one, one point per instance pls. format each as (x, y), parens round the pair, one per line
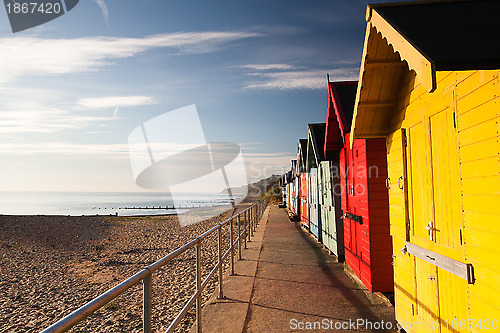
(454, 120)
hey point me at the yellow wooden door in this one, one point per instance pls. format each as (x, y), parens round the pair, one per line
(419, 185)
(435, 212)
(427, 310)
(435, 209)
(446, 220)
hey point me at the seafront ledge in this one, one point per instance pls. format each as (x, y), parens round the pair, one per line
(286, 281)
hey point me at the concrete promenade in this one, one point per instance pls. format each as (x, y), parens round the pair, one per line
(287, 282)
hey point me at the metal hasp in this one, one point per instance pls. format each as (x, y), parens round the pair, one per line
(356, 218)
(460, 269)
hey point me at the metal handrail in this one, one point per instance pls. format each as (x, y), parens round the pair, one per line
(251, 216)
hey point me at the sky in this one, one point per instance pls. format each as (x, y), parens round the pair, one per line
(73, 90)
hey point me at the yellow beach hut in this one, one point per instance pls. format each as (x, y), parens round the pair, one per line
(429, 84)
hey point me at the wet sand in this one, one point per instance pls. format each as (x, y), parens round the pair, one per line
(51, 265)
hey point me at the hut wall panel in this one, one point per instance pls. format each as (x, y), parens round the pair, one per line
(476, 116)
(475, 99)
(352, 261)
(369, 244)
(397, 212)
(314, 213)
(304, 207)
(476, 134)
(332, 226)
(483, 167)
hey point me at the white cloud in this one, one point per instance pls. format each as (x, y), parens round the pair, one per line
(299, 79)
(115, 101)
(63, 148)
(109, 150)
(43, 119)
(35, 56)
(266, 67)
(104, 9)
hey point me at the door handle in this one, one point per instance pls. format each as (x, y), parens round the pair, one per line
(430, 229)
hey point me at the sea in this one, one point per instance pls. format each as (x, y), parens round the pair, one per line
(104, 203)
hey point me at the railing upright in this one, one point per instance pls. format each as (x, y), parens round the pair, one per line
(146, 303)
(239, 237)
(219, 262)
(249, 225)
(231, 247)
(252, 219)
(198, 286)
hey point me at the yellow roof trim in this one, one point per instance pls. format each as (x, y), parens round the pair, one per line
(360, 84)
(425, 69)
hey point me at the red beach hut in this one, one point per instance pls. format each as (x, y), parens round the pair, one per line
(364, 196)
(302, 176)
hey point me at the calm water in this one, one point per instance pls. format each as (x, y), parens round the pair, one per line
(92, 203)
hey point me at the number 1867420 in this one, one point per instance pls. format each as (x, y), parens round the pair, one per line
(33, 8)
(482, 324)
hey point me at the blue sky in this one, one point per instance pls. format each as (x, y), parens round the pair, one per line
(73, 89)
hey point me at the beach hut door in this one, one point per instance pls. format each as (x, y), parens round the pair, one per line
(434, 211)
(434, 185)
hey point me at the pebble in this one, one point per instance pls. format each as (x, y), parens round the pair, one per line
(51, 265)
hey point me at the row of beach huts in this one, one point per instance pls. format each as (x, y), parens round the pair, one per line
(402, 181)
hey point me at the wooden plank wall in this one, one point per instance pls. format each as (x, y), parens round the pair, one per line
(476, 102)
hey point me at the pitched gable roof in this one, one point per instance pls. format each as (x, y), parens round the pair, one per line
(424, 37)
(301, 155)
(315, 143)
(341, 98)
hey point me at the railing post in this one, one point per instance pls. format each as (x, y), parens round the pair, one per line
(146, 304)
(219, 248)
(198, 286)
(249, 225)
(252, 220)
(232, 245)
(239, 237)
(245, 229)
(257, 216)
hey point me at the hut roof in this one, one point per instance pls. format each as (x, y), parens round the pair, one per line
(316, 141)
(301, 155)
(424, 36)
(341, 98)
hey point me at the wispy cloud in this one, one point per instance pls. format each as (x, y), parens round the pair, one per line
(265, 67)
(115, 101)
(104, 9)
(43, 119)
(35, 56)
(65, 148)
(297, 78)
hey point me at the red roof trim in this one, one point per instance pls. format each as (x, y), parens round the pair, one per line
(336, 124)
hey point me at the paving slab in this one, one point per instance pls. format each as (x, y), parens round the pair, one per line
(287, 282)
